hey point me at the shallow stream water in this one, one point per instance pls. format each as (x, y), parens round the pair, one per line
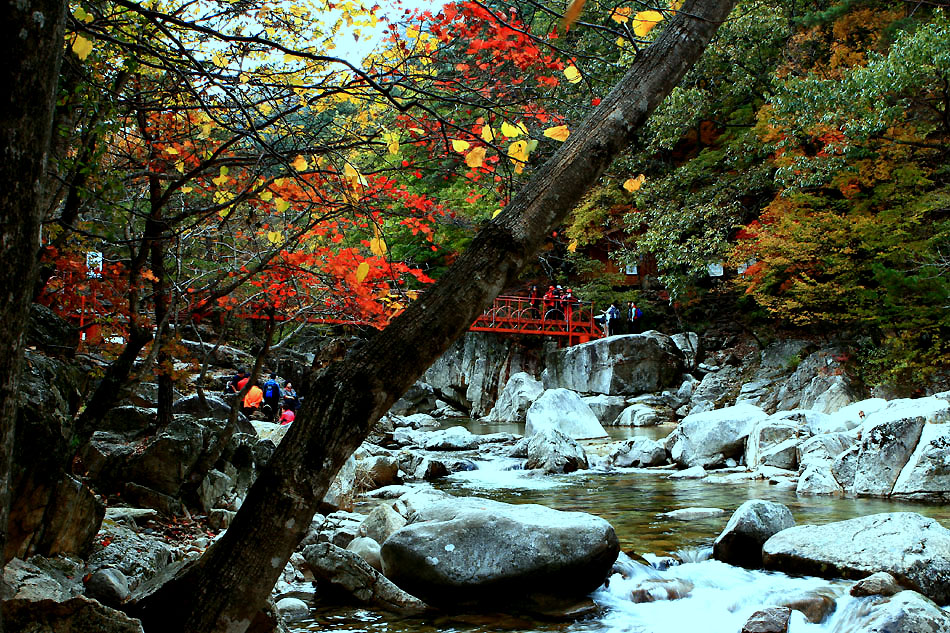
(723, 597)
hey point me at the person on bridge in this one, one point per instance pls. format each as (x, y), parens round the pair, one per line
(534, 300)
(550, 298)
(252, 401)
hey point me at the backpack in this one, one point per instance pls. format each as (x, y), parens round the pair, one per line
(638, 313)
(270, 389)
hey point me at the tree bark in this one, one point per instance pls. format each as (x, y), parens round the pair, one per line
(225, 589)
(32, 50)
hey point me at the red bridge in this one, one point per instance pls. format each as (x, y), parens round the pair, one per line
(571, 322)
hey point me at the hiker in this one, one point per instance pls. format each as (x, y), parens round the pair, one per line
(635, 315)
(271, 397)
(252, 401)
(613, 319)
(534, 301)
(237, 382)
(291, 401)
(287, 415)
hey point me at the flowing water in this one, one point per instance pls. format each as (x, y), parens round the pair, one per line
(721, 598)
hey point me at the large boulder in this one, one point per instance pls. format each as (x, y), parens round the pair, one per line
(689, 344)
(456, 438)
(512, 406)
(345, 571)
(912, 548)
(77, 614)
(553, 452)
(709, 438)
(927, 473)
(637, 451)
(465, 552)
(751, 525)
(605, 407)
(906, 612)
(473, 370)
(616, 365)
(766, 435)
(638, 415)
(771, 370)
(820, 382)
(563, 410)
(888, 439)
(716, 389)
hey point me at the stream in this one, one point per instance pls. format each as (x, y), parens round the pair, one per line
(722, 596)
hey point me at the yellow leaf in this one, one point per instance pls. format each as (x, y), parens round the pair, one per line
(171, 150)
(300, 163)
(518, 151)
(244, 78)
(224, 213)
(510, 130)
(633, 184)
(274, 237)
(218, 60)
(361, 271)
(180, 166)
(573, 75)
(476, 157)
(266, 196)
(621, 14)
(187, 189)
(377, 246)
(353, 177)
(82, 47)
(644, 21)
(675, 6)
(572, 247)
(495, 214)
(265, 108)
(281, 205)
(487, 135)
(558, 133)
(412, 33)
(573, 12)
(220, 180)
(392, 142)
(621, 42)
(206, 128)
(460, 146)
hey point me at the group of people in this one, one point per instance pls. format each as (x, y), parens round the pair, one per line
(274, 402)
(556, 303)
(617, 320)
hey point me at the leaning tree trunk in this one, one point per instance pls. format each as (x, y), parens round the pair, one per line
(32, 50)
(225, 588)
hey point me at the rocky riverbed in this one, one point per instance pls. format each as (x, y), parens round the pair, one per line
(787, 417)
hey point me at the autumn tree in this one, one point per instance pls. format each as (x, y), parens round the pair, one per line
(224, 589)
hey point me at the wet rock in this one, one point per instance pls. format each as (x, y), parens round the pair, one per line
(470, 551)
(814, 605)
(75, 614)
(907, 612)
(696, 472)
(708, 439)
(293, 609)
(818, 479)
(879, 584)
(772, 620)
(554, 452)
(912, 548)
(346, 572)
(637, 452)
(638, 415)
(693, 514)
(564, 411)
(751, 525)
(512, 405)
(616, 365)
(656, 589)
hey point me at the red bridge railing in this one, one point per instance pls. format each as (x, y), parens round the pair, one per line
(571, 320)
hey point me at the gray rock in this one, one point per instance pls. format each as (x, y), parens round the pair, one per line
(554, 452)
(927, 473)
(708, 439)
(888, 438)
(347, 572)
(714, 390)
(520, 391)
(637, 452)
(658, 589)
(416, 421)
(688, 343)
(456, 438)
(693, 514)
(605, 407)
(128, 420)
(823, 448)
(854, 414)
(378, 471)
(381, 523)
(818, 480)
(342, 490)
(419, 398)
(293, 609)
(751, 525)
(41, 579)
(108, 585)
(784, 455)
(469, 551)
(75, 614)
(368, 550)
(695, 472)
(616, 365)
(879, 584)
(907, 612)
(844, 466)
(213, 407)
(339, 528)
(915, 550)
(771, 620)
(564, 411)
(820, 382)
(767, 434)
(638, 415)
(137, 557)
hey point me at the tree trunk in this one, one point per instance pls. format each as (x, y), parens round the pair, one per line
(224, 589)
(33, 47)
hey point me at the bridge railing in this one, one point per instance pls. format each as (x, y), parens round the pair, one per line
(572, 320)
